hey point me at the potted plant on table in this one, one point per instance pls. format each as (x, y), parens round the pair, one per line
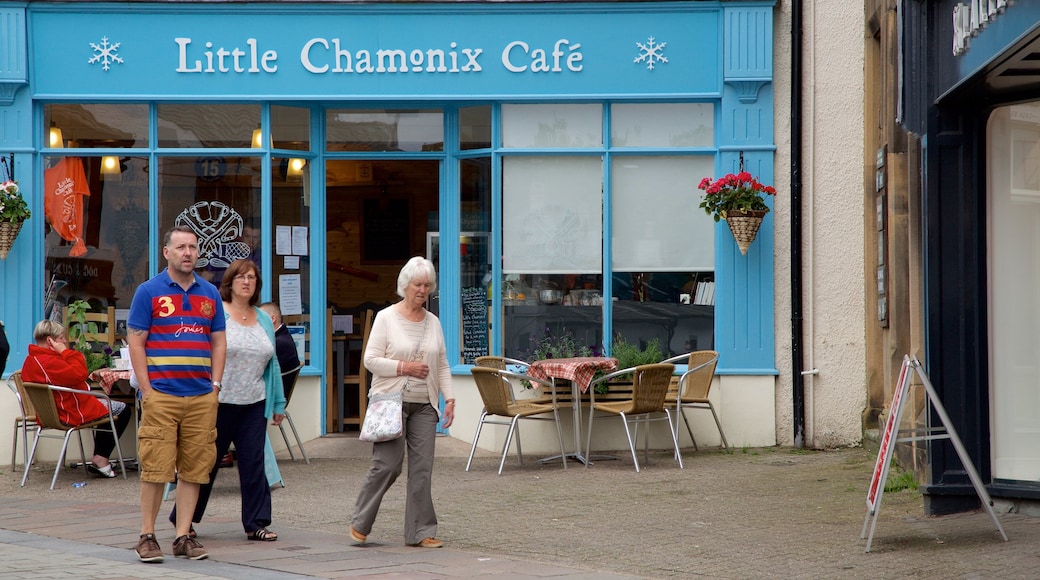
(13, 211)
(740, 200)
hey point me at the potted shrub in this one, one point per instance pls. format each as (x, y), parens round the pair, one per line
(630, 355)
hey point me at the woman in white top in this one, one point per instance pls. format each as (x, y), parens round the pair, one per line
(251, 394)
(406, 354)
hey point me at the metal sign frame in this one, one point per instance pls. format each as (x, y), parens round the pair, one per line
(892, 435)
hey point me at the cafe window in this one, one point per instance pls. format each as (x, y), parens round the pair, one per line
(475, 256)
(552, 126)
(96, 226)
(208, 125)
(662, 125)
(661, 277)
(94, 126)
(475, 127)
(385, 130)
(662, 253)
(218, 198)
(552, 245)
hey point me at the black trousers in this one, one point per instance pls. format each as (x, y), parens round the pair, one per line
(246, 427)
(104, 442)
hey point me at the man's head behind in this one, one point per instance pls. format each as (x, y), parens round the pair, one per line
(273, 311)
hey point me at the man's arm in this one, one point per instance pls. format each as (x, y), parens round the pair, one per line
(217, 356)
(139, 360)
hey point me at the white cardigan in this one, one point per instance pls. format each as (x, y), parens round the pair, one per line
(388, 344)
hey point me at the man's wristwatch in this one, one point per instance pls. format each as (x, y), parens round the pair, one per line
(216, 384)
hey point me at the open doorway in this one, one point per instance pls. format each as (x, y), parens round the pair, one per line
(377, 214)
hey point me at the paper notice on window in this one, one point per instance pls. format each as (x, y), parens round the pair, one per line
(292, 263)
(289, 296)
(299, 240)
(283, 240)
(299, 336)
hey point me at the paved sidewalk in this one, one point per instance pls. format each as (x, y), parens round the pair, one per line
(748, 513)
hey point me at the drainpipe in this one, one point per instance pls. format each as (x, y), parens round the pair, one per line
(797, 395)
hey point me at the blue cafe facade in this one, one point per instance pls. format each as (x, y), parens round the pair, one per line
(559, 145)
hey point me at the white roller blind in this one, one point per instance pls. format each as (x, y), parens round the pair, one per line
(552, 215)
(658, 225)
(552, 126)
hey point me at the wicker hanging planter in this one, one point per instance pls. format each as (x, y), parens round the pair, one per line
(744, 227)
(8, 232)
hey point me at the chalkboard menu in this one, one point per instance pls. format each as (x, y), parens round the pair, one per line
(474, 324)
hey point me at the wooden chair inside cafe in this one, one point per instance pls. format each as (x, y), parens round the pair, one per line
(356, 385)
(104, 323)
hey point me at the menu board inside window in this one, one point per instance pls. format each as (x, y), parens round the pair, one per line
(474, 323)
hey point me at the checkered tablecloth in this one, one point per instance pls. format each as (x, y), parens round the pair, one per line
(108, 377)
(580, 370)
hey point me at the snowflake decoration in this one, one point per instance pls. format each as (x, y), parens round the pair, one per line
(651, 52)
(105, 53)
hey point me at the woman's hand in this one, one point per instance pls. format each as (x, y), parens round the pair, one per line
(419, 370)
(57, 345)
(277, 419)
(449, 413)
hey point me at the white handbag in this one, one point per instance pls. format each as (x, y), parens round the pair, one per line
(383, 419)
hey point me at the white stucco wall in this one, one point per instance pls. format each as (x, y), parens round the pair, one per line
(832, 217)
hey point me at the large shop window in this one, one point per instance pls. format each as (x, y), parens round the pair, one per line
(96, 232)
(552, 246)
(218, 198)
(663, 249)
(95, 206)
(659, 287)
(1013, 229)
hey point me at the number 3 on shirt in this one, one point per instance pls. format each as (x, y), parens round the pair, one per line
(166, 307)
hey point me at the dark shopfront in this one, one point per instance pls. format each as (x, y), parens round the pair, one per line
(971, 93)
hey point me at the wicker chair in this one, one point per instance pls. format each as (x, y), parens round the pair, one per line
(42, 397)
(693, 388)
(26, 422)
(649, 386)
(502, 408)
(503, 363)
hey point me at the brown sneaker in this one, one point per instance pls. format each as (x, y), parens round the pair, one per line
(190, 548)
(148, 549)
(429, 543)
(357, 537)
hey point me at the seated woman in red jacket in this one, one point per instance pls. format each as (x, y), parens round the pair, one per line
(51, 361)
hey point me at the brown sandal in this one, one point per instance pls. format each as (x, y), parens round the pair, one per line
(262, 535)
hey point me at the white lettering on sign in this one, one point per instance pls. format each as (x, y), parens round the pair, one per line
(969, 20)
(517, 55)
(321, 56)
(223, 60)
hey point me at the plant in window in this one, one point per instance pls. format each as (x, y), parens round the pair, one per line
(740, 199)
(13, 211)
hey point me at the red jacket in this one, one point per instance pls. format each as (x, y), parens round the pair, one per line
(68, 369)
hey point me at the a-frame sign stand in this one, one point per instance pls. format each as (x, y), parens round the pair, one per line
(892, 435)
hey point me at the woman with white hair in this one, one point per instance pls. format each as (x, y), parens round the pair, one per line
(406, 354)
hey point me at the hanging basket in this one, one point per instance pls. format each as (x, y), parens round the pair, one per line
(744, 227)
(8, 232)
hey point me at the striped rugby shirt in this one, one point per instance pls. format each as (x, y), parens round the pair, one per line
(179, 324)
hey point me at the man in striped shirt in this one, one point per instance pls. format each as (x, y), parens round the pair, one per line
(176, 332)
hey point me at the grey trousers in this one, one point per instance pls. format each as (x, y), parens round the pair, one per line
(420, 519)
